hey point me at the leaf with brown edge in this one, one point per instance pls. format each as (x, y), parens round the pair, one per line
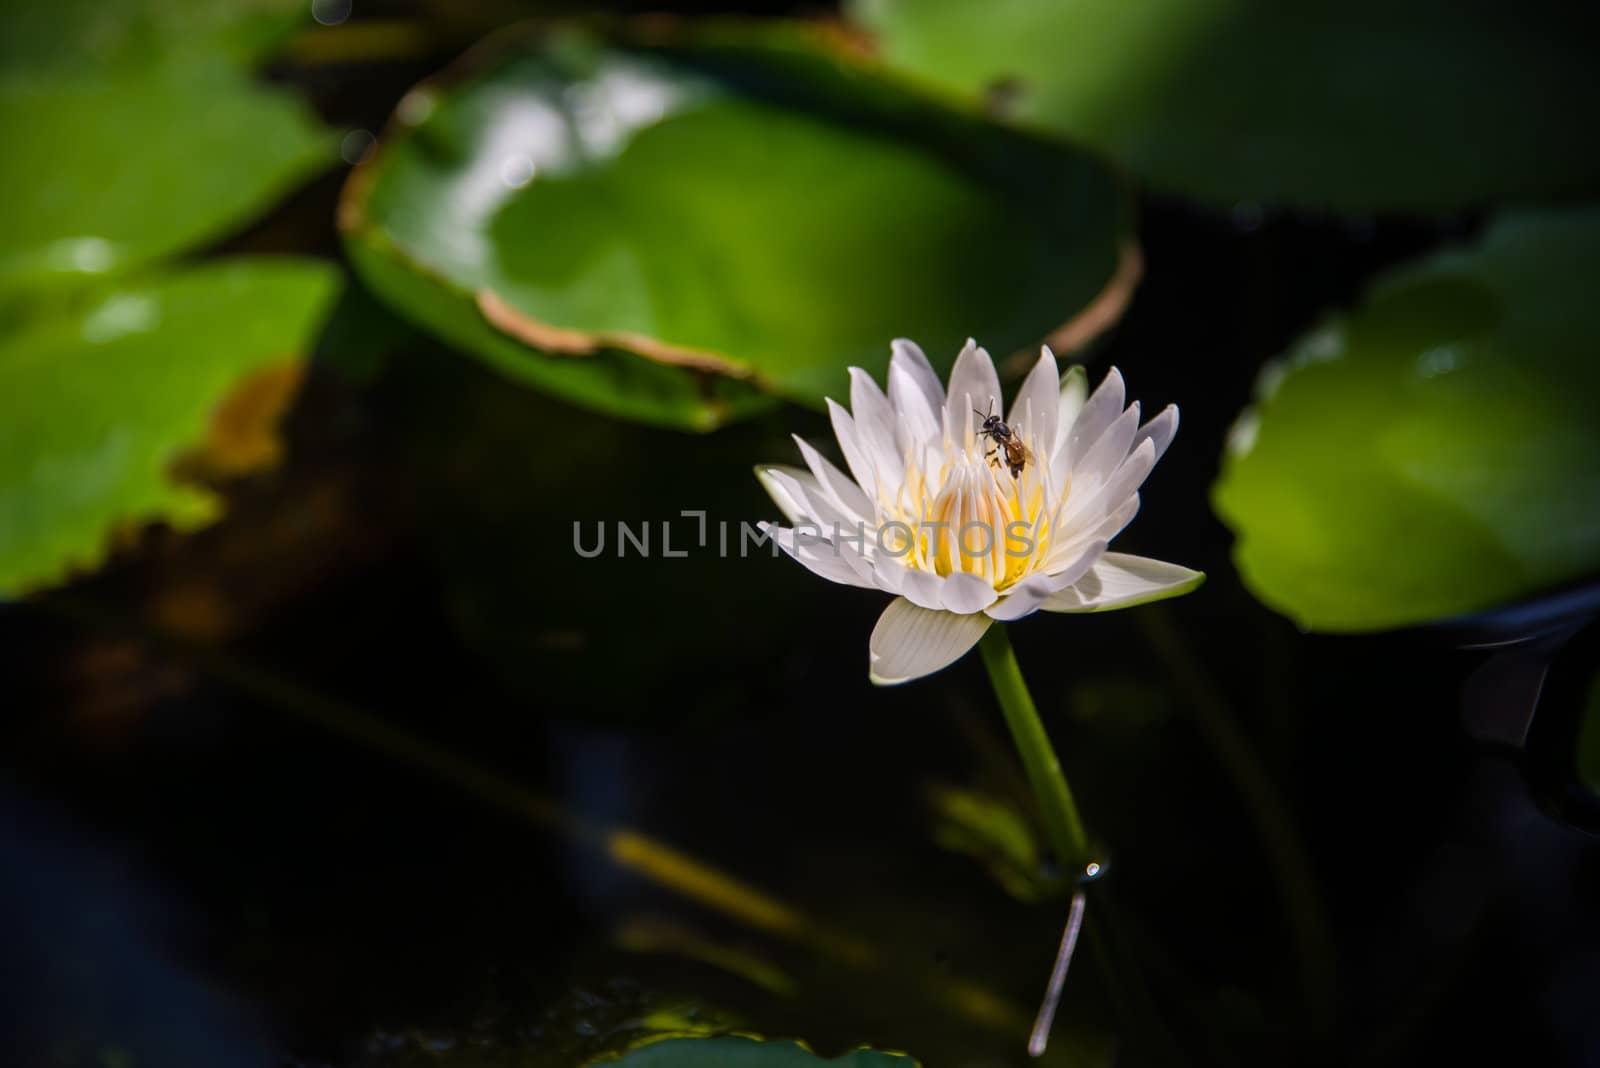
(667, 221)
(242, 437)
(106, 396)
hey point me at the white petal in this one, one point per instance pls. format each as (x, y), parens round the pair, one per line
(910, 642)
(1102, 407)
(1038, 404)
(1031, 593)
(1093, 467)
(826, 530)
(875, 429)
(919, 422)
(1118, 580)
(1064, 552)
(1160, 430)
(1122, 484)
(820, 558)
(922, 588)
(966, 593)
(1117, 520)
(889, 573)
(815, 507)
(839, 487)
(908, 357)
(865, 569)
(856, 457)
(787, 504)
(1074, 391)
(974, 385)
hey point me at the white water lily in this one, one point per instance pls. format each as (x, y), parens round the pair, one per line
(927, 484)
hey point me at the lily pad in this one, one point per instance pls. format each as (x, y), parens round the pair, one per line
(740, 1051)
(1435, 451)
(660, 223)
(108, 397)
(1349, 104)
(92, 35)
(135, 133)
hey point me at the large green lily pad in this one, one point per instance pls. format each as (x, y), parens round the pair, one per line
(92, 35)
(100, 174)
(1349, 104)
(104, 399)
(659, 224)
(738, 1051)
(136, 131)
(1435, 451)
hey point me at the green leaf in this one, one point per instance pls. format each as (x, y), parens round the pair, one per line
(636, 221)
(134, 131)
(1348, 104)
(108, 397)
(739, 1051)
(103, 173)
(1434, 452)
(609, 380)
(92, 35)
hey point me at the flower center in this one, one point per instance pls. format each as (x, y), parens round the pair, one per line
(960, 510)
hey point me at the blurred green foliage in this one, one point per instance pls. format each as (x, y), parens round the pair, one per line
(1353, 105)
(995, 833)
(134, 131)
(91, 36)
(652, 227)
(1435, 452)
(119, 387)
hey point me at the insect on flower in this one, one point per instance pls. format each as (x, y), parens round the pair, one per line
(1005, 439)
(928, 514)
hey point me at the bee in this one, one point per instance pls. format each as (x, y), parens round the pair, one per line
(1007, 440)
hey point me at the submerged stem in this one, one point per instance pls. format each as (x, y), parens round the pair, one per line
(1061, 819)
(1058, 977)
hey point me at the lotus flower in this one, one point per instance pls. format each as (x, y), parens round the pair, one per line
(933, 513)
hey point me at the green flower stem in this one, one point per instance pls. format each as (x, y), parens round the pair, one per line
(1125, 984)
(1061, 819)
